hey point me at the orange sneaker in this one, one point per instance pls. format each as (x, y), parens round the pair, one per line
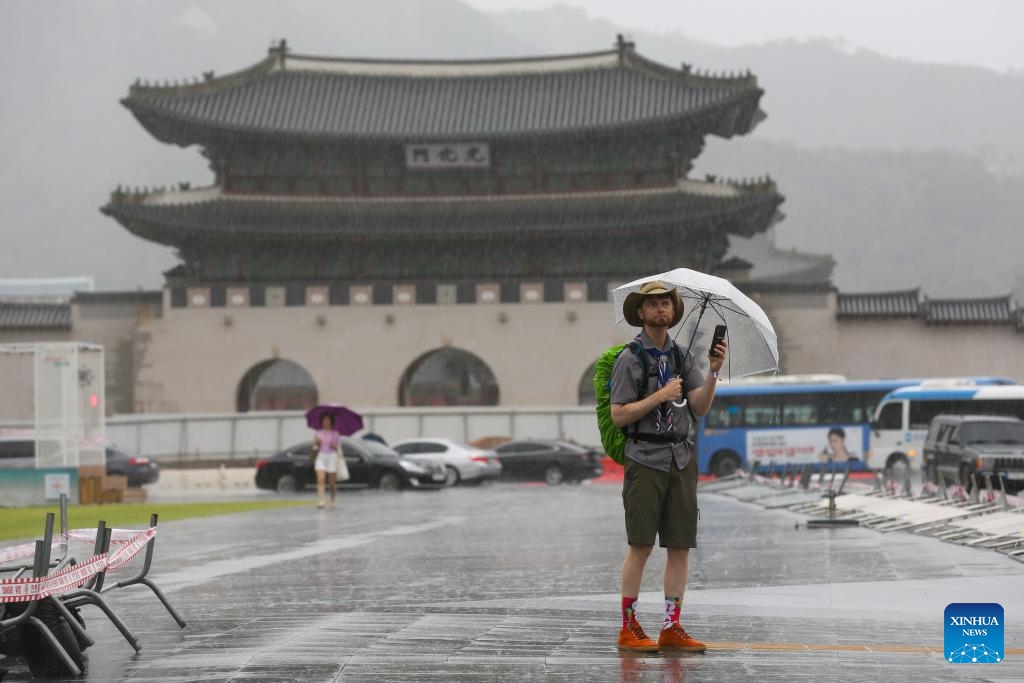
(676, 638)
(634, 639)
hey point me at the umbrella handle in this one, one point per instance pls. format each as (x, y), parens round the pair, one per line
(681, 404)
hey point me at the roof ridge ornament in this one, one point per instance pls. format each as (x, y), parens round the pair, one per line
(277, 53)
(624, 43)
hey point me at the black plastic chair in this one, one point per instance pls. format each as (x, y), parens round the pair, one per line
(28, 615)
(88, 594)
(142, 578)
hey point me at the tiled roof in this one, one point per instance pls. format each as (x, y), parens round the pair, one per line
(1000, 310)
(297, 95)
(119, 297)
(991, 310)
(170, 218)
(903, 304)
(34, 316)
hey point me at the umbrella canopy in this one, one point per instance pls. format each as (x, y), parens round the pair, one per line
(711, 301)
(346, 421)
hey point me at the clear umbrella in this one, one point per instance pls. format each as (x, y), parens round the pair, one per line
(711, 301)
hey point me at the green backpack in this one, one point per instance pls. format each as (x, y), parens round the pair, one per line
(613, 438)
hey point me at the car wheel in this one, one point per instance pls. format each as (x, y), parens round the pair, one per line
(553, 475)
(725, 463)
(389, 481)
(451, 476)
(285, 484)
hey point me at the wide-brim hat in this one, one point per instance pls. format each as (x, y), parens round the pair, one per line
(634, 300)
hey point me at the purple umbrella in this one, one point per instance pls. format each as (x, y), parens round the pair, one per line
(346, 422)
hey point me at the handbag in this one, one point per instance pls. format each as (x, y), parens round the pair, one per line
(343, 474)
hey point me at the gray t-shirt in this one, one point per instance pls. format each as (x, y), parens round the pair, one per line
(626, 379)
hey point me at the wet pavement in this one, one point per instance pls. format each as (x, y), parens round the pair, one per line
(521, 582)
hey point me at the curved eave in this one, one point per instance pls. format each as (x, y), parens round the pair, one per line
(352, 100)
(742, 209)
(736, 115)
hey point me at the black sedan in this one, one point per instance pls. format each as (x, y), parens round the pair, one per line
(370, 464)
(139, 470)
(550, 461)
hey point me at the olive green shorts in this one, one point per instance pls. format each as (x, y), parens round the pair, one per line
(661, 503)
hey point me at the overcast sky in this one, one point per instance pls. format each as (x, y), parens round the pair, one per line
(978, 32)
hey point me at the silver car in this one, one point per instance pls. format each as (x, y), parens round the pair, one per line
(463, 463)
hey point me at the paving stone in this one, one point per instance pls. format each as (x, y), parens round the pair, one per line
(513, 582)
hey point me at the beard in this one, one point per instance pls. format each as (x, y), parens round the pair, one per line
(658, 321)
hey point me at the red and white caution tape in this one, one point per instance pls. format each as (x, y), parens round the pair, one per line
(20, 552)
(116, 535)
(70, 578)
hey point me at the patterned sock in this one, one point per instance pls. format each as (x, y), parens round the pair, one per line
(628, 611)
(673, 606)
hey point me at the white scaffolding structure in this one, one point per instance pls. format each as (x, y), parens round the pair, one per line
(53, 394)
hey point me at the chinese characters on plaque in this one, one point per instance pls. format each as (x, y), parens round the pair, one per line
(457, 155)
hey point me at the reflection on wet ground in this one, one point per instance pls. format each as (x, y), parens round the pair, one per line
(505, 581)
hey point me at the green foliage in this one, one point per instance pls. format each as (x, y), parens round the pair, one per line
(27, 523)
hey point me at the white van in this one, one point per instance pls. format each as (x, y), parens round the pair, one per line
(902, 418)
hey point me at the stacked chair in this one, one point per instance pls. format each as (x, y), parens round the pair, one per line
(44, 624)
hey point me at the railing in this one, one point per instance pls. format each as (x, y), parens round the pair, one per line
(230, 436)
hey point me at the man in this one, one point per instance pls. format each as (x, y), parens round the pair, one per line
(659, 491)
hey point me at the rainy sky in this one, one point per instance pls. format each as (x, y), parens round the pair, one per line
(982, 33)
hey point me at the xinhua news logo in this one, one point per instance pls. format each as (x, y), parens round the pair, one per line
(974, 633)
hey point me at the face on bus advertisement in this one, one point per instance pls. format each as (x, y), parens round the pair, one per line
(839, 443)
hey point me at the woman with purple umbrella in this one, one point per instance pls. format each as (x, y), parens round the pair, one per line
(327, 446)
(332, 421)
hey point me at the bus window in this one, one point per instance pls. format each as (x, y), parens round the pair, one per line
(760, 411)
(725, 413)
(871, 401)
(891, 416)
(801, 409)
(922, 412)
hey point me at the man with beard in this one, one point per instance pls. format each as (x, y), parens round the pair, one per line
(659, 490)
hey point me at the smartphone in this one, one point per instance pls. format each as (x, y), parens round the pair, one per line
(717, 339)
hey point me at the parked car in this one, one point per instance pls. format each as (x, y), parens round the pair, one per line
(970, 446)
(370, 464)
(139, 469)
(462, 462)
(17, 454)
(21, 454)
(549, 461)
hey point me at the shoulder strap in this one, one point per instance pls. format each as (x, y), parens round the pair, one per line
(680, 360)
(641, 356)
(641, 389)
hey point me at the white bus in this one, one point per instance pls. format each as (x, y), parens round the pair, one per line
(902, 418)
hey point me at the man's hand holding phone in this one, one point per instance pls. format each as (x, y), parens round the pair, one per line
(719, 348)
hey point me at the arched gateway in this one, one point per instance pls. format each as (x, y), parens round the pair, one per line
(276, 384)
(448, 377)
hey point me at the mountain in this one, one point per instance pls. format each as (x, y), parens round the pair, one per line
(820, 94)
(891, 220)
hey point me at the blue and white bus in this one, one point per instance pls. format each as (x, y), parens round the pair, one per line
(822, 420)
(901, 421)
(822, 423)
